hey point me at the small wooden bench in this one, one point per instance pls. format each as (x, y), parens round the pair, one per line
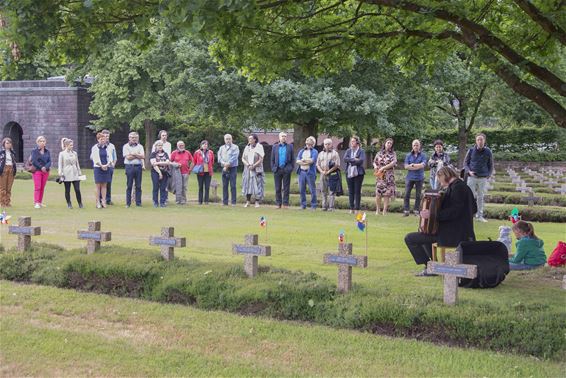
(436, 248)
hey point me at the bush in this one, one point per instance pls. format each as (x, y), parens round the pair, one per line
(292, 295)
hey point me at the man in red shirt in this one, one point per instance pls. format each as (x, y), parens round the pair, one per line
(182, 159)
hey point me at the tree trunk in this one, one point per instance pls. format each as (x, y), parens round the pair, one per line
(302, 131)
(149, 128)
(462, 142)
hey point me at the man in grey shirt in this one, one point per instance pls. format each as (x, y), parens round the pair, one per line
(228, 160)
(133, 158)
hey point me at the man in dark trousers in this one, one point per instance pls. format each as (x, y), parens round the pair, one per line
(282, 166)
(455, 219)
(479, 165)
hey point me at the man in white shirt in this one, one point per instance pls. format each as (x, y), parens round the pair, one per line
(133, 159)
(228, 160)
(110, 168)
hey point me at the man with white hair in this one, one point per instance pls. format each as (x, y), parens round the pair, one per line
(228, 160)
(133, 159)
(306, 161)
(282, 166)
(328, 164)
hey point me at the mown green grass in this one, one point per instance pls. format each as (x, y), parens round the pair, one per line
(194, 342)
(298, 238)
(53, 332)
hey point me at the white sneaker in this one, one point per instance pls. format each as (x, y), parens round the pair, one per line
(37, 206)
(257, 204)
(482, 219)
(247, 204)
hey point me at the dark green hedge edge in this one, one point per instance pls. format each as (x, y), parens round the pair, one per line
(532, 330)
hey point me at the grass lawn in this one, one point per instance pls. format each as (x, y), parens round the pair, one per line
(110, 336)
(54, 332)
(298, 238)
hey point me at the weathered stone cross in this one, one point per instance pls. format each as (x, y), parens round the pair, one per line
(251, 250)
(531, 199)
(94, 236)
(452, 269)
(25, 231)
(345, 261)
(168, 242)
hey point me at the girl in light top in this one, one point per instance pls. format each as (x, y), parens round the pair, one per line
(69, 171)
(253, 179)
(163, 139)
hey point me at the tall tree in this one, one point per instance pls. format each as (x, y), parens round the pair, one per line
(520, 41)
(460, 88)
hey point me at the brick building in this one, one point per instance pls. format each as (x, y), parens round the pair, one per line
(50, 108)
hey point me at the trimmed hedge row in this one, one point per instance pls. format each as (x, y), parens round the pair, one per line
(291, 295)
(496, 211)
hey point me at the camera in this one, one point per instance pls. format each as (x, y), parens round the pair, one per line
(59, 180)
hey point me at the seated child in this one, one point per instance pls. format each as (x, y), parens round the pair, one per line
(530, 253)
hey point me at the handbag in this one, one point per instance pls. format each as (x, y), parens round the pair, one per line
(352, 171)
(28, 166)
(198, 168)
(558, 256)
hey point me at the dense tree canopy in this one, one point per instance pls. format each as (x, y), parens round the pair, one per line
(176, 82)
(521, 41)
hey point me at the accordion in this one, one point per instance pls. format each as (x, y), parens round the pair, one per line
(431, 202)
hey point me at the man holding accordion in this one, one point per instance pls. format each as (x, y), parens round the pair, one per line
(454, 216)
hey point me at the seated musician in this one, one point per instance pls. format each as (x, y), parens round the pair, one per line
(455, 219)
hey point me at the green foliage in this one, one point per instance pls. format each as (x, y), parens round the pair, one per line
(292, 295)
(524, 143)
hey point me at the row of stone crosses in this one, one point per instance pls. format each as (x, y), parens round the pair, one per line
(548, 177)
(451, 270)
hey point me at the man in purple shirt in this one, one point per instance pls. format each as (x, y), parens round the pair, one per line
(415, 162)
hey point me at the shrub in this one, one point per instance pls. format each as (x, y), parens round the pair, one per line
(292, 295)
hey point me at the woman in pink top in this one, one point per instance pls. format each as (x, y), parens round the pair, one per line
(204, 161)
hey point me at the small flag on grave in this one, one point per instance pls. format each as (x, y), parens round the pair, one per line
(361, 221)
(262, 222)
(515, 217)
(341, 236)
(4, 219)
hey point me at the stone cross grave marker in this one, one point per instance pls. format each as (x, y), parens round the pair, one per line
(531, 199)
(251, 250)
(561, 190)
(551, 183)
(451, 270)
(94, 236)
(345, 261)
(25, 231)
(524, 188)
(168, 242)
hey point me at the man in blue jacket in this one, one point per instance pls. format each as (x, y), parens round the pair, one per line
(282, 166)
(479, 166)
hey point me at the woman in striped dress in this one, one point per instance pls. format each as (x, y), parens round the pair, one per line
(253, 179)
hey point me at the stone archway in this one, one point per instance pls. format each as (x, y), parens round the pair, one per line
(14, 131)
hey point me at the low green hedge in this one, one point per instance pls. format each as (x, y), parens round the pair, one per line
(291, 295)
(495, 211)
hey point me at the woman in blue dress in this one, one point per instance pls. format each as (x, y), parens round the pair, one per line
(101, 155)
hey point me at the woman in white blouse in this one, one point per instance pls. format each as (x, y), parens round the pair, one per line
(69, 171)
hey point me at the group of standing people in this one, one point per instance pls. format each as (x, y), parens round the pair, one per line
(170, 170)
